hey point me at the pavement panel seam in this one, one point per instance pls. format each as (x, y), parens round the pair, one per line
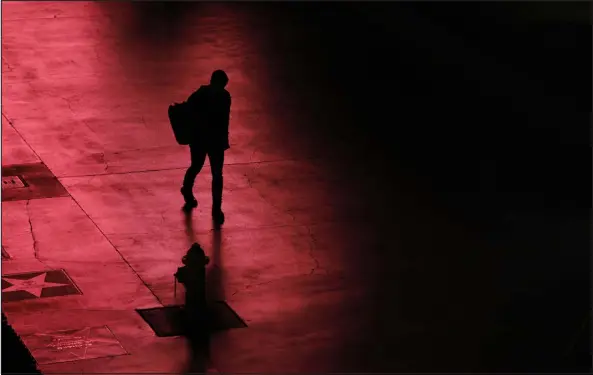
(255, 163)
(87, 215)
(23, 138)
(351, 221)
(118, 252)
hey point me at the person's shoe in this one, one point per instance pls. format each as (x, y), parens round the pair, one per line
(188, 206)
(218, 216)
(190, 200)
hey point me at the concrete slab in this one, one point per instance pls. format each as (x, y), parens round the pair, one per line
(82, 130)
(55, 233)
(134, 335)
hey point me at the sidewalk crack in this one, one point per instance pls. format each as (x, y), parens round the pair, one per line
(312, 247)
(35, 242)
(285, 211)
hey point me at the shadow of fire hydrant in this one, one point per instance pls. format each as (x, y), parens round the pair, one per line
(195, 313)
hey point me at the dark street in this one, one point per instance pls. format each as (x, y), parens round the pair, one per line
(408, 186)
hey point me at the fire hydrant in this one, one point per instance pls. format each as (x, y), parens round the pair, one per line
(192, 275)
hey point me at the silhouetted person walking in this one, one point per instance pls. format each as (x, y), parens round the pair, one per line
(210, 107)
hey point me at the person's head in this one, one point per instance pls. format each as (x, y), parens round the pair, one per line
(196, 256)
(219, 79)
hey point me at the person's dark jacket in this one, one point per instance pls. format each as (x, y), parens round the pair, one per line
(211, 108)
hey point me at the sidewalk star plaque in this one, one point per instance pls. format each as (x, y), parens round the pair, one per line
(74, 345)
(41, 284)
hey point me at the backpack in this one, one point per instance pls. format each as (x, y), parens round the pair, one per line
(180, 119)
(187, 118)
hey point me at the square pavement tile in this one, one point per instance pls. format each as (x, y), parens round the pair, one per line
(167, 321)
(30, 181)
(74, 345)
(41, 284)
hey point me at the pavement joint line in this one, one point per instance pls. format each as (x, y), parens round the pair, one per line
(182, 168)
(87, 215)
(116, 250)
(263, 227)
(252, 163)
(24, 140)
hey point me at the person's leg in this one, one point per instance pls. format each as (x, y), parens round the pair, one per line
(216, 164)
(198, 157)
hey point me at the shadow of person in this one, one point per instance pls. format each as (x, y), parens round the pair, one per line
(189, 226)
(214, 276)
(195, 314)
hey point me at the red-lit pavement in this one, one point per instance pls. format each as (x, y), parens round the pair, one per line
(85, 90)
(331, 269)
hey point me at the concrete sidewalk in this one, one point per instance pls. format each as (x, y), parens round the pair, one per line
(85, 91)
(336, 264)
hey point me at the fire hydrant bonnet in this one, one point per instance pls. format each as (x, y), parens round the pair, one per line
(196, 256)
